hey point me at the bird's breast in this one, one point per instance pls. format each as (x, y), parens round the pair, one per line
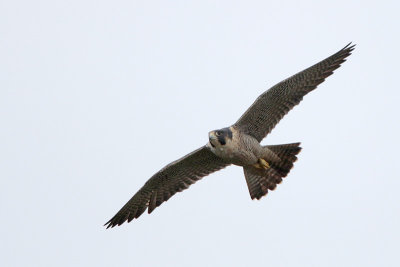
(237, 152)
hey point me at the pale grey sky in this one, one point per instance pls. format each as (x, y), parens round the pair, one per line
(96, 96)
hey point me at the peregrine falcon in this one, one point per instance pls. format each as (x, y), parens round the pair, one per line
(263, 166)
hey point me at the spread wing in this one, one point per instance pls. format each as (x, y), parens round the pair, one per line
(272, 105)
(173, 178)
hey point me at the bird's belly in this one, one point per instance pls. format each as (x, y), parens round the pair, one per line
(235, 156)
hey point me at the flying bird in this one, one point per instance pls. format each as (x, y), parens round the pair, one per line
(263, 166)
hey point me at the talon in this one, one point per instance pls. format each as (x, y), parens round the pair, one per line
(258, 166)
(264, 164)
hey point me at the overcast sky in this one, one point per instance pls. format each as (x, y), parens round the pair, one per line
(96, 96)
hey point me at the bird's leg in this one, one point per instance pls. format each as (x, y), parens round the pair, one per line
(262, 164)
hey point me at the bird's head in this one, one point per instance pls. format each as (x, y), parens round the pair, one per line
(219, 138)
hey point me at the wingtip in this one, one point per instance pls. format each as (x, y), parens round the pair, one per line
(118, 220)
(111, 223)
(108, 224)
(350, 47)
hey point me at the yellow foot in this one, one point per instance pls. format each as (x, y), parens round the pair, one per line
(262, 164)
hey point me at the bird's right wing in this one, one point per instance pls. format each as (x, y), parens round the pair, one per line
(173, 178)
(270, 107)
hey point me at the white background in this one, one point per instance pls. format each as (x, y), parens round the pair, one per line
(96, 96)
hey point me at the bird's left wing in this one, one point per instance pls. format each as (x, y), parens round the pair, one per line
(173, 178)
(272, 105)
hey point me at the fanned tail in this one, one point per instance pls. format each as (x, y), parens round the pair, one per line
(259, 181)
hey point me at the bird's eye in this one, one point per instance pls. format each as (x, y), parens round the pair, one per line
(217, 133)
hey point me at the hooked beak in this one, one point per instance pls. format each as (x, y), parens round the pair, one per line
(212, 138)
